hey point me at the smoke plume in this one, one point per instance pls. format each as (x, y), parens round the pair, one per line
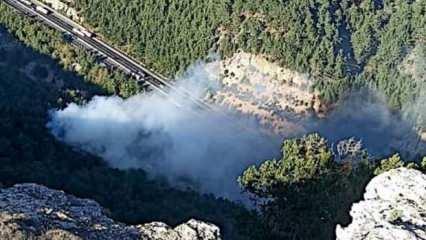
(209, 149)
(364, 115)
(415, 66)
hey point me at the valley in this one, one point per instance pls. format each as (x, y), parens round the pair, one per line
(263, 114)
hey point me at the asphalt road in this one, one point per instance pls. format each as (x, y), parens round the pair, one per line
(120, 59)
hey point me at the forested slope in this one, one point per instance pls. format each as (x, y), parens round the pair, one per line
(29, 153)
(341, 43)
(51, 42)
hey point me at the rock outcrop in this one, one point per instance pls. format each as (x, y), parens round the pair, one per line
(30, 211)
(394, 207)
(254, 86)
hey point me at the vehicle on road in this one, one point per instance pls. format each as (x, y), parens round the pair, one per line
(83, 32)
(42, 10)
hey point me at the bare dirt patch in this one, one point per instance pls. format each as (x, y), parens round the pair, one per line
(254, 86)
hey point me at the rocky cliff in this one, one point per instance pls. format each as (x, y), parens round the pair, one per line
(31, 211)
(394, 207)
(253, 85)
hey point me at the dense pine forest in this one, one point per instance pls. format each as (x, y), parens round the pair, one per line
(342, 44)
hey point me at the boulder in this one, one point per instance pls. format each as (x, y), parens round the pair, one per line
(394, 207)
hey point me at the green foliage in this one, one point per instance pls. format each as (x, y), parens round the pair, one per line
(342, 43)
(307, 192)
(397, 27)
(51, 42)
(304, 159)
(29, 153)
(388, 164)
(423, 164)
(165, 35)
(396, 162)
(304, 194)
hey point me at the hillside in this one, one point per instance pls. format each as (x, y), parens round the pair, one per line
(339, 46)
(342, 84)
(341, 43)
(31, 84)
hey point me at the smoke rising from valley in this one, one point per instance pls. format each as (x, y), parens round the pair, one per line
(365, 116)
(151, 132)
(210, 149)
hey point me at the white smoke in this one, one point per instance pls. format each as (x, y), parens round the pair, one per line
(415, 66)
(210, 148)
(365, 116)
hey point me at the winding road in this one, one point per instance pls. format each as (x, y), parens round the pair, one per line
(117, 57)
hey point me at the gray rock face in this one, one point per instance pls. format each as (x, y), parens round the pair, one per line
(192, 230)
(34, 212)
(394, 208)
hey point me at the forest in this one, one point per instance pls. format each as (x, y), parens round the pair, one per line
(343, 44)
(29, 153)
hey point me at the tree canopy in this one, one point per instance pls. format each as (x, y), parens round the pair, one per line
(341, 43)
(305, 193)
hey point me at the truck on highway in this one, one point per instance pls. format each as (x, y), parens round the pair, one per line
(139, 76)
(42, 10)
(83, 32)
